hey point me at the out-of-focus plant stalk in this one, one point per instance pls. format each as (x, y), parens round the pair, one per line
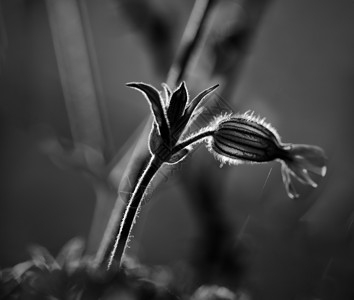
(190, 41)
(217, 244)
(75, 73)
(247, 29)
(104, 190)
(137, 161)
(108, 148)
(217, 238)
(83, 97)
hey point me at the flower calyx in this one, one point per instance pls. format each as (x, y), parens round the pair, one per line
(172, 113)
(245, 138)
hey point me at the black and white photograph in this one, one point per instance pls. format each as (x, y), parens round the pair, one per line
(176, 149)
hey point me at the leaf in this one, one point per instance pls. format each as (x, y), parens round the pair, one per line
(156, 106)
(154, 139)
(177, 104)
(167, 90)
(189, 111)
(197, 100)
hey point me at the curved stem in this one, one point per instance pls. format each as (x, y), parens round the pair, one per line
(123, 232)
(132, 210)
(193, 139)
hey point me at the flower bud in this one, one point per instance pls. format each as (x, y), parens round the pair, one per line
(246, 138)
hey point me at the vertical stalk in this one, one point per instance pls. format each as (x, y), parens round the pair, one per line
(105, 194)
(76, 73)
(79, 74)
(190, 41)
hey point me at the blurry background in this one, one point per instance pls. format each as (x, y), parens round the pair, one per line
(298, 73)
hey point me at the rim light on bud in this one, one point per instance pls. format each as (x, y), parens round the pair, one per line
(249, 139)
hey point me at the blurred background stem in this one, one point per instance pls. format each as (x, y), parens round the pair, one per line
(217, 253)
(76, 73)
(190, 41)
(83, 95)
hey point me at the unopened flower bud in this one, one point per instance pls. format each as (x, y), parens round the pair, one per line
(243, 138)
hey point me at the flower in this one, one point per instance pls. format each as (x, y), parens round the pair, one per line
(172, 112)
(245, 138)
(298, 160)
(233, 139)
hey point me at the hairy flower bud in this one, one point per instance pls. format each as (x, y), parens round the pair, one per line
(241, 138)
(246, 138)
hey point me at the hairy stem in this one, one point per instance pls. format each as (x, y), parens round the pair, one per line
(132, 210)
(134, 203)
(193, 139)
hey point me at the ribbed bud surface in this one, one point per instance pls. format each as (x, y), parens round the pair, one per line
(245, 138)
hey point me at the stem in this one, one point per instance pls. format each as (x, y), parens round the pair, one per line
(132, 210)
(192, 140)
(122, 233)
